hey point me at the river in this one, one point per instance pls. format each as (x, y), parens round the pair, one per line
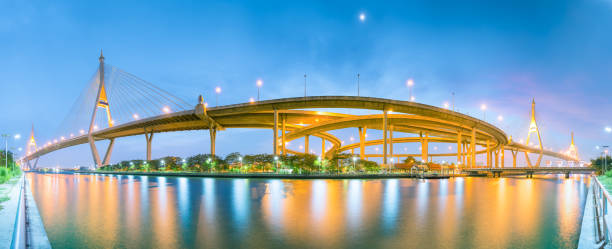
(121, 211)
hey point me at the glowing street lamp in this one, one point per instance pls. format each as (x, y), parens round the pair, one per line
(446, 105)
(135, 116)
(500, 118)
(608, 129)
(409, 84)
(166, 109)
(6, 136)
(218, 91)
(483, 107)
(259, 84)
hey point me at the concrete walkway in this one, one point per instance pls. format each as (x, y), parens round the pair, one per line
(587, 238)
(9, 210)
(37, 236)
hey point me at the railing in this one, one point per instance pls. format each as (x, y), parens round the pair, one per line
(20, 231)
(601, 201)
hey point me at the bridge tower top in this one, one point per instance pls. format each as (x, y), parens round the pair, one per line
(533, 128)
(31, 142)
(573, 151)
(101, 57)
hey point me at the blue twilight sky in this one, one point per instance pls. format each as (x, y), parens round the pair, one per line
(500, 53)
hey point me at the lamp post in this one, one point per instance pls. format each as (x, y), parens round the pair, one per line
(409, 84)
(259, 83)
(218, 91)
(483, 107)
(304, 84)
(358, 84)
(605, 157)
(6, 136)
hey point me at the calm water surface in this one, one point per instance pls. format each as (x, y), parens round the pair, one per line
(98, 211)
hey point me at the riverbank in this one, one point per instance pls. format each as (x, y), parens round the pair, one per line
(272, 175)
(20, 218)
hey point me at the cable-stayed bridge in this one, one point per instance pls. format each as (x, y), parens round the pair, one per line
(118, 104)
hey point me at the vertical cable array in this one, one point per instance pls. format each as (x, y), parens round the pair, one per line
(129, 99)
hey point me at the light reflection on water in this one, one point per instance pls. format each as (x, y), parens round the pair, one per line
(177, 212)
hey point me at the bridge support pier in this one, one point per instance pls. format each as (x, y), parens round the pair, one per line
(283, 135)
(109, 151)
(362, 138)
(149, 138)
(497, 159)
(514, 154)
(459, 151)
(322, 148)
(489, 164)
(424, 147)
(385, 138)
(213, 141)
(306, 151)
(391, 142)
(567, 175)
(275, 133)
(473, 149)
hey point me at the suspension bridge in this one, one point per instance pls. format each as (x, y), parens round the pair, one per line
(118, 104)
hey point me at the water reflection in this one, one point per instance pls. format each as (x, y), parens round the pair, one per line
(110, 211)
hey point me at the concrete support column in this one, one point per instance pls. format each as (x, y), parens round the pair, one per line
(275, 133)
(502, 157)
(473, 149)
(322, 147)
(384, 138)
(283, 135)
(109, 151)
(514, 158)
(424, 148)
(489, 154)
(459, 148)
(391, 141)
(149, 137)
(213, 139)
(306, 151)
(497, 159)
(464, 156)
(362, 138)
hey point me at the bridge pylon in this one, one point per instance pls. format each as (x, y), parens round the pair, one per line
(31, 148)
(533, 128)
(573, 151)
(101, 102)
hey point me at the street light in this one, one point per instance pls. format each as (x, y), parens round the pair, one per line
(605, 156)
(409, 84)
(218, 91)
(259, 84)
(483, 107)
(358, 84)
(304, 84)
(608, 129)
(6, 136)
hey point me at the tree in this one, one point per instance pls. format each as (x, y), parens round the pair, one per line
(232, 158)
(598, 163)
